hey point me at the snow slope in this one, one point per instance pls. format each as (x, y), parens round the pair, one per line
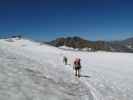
(30, 71)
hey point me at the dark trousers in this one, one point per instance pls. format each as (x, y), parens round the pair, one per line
(77, 72)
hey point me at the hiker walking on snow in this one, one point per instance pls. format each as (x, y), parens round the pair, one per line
(65, 60)
(77, 67)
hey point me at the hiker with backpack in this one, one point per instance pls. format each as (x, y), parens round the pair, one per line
(77, 67)
(65, 60)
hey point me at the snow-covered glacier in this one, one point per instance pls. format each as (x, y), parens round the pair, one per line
(32, 71)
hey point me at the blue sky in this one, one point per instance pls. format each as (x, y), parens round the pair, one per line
(48, 19)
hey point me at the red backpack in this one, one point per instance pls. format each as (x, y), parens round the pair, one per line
(77, 61)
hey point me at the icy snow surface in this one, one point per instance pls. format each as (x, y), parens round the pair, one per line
(30, 71)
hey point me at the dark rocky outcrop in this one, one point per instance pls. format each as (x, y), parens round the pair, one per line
(80, 43)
